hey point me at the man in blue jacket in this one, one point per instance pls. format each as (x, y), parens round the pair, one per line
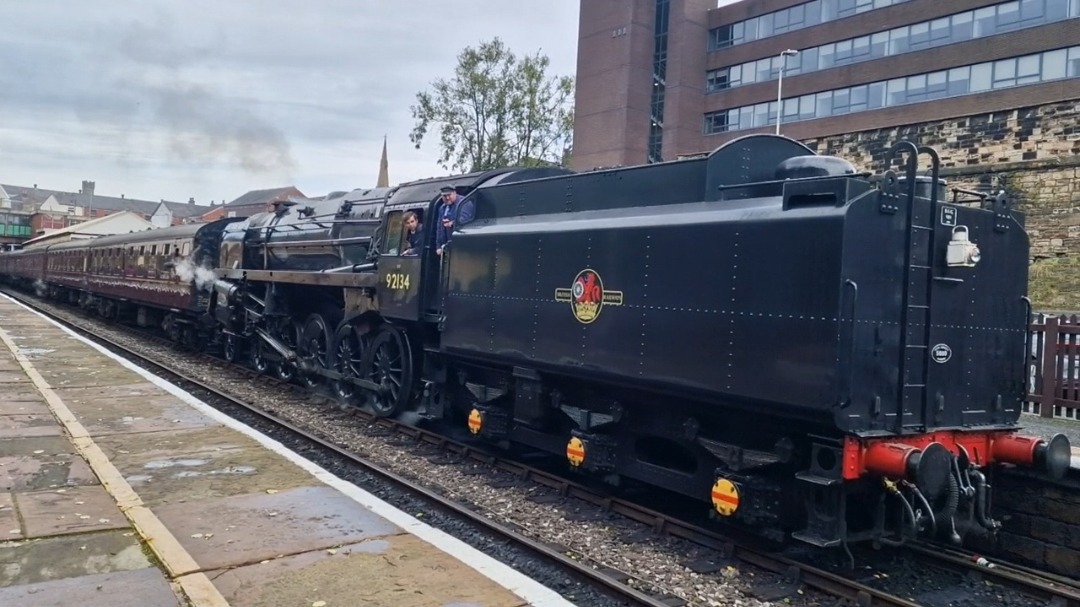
(454, 212)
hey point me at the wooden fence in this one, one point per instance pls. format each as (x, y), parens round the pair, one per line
(1054, 378)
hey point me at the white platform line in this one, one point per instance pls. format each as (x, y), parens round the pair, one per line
(523, 586)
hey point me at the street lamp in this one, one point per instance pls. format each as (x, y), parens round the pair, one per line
(780, 87)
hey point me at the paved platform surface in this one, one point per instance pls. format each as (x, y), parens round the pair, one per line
(117, 489)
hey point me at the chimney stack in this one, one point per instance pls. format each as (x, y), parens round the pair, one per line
(88, 187)
(191, 200)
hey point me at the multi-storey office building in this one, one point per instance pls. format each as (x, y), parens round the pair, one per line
(663, 78)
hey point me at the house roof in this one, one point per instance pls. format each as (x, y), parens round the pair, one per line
(27, 200)
(82, 226)
(185, 210)
(35, 196)
(265, 196)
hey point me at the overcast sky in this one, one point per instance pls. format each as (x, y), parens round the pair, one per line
(206, 98)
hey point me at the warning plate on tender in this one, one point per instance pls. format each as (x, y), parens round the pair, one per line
(948, 216)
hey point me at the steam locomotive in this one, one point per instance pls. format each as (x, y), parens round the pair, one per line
(818, 353)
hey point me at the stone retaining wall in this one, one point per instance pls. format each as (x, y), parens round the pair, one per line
(1032, 153)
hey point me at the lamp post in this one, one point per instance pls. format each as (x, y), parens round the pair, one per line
(780, 87)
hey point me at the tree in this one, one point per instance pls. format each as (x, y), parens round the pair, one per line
(497, 111)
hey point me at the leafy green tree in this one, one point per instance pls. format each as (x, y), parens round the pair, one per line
(498, 110)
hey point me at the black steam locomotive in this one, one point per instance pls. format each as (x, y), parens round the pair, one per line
(819, 353)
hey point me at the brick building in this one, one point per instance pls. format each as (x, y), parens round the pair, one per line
(27, 212)
(993, 84)
(663, 78)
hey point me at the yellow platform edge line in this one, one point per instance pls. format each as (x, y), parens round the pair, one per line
(198, 588)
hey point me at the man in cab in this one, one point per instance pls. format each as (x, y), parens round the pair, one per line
(454, 211)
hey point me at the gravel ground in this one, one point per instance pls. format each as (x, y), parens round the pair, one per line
(1041, 426)
(658, 564)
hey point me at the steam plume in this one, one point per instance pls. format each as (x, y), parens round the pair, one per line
(189, 272)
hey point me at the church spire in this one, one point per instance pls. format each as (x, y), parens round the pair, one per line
(384, 175)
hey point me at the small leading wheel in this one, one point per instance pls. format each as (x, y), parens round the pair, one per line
(232, 348)
(388, 362)
(286, 371)
(313, 348)
(348, 361)
(258, 358)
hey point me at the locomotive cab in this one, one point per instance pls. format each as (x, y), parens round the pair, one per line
(412, 281)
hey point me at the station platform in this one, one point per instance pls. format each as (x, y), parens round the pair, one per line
(118, 489)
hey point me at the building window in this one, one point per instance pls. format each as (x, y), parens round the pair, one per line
(960, 27)
(716, 122)
(790, 19)
(966, 80)
(718, 80)
(720, 37)
(656, 121)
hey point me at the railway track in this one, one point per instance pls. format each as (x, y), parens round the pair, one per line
(794, 573)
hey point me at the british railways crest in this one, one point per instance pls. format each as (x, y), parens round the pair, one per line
(587, 296)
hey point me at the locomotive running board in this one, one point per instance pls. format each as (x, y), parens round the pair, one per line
(357, 280)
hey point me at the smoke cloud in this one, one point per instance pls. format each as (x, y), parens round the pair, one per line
(202, 122)
(202, 276)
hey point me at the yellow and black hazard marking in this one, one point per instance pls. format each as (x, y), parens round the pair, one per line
(575, 452)
(725, 497)
(476, 421)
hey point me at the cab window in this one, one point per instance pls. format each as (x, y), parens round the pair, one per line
(397, 233)
(395, 223)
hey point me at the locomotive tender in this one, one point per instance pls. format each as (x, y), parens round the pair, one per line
(819, 353)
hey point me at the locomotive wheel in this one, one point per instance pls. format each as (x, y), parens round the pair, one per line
(286, 371)
(258, 358)
(232, 348)
(189, 339)
(314, 347)
(388, 362)
(349, 353)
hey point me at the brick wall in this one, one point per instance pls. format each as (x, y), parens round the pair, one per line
(1033, 153)
(1040, 523)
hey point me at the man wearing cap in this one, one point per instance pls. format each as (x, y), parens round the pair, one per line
(451, 214)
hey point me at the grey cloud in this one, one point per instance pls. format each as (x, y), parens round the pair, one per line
(158, 43)
(229, 96)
